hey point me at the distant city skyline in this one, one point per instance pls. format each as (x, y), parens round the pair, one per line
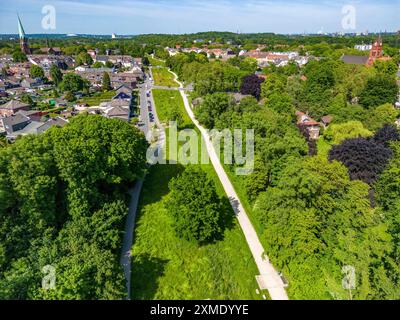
(123, 17)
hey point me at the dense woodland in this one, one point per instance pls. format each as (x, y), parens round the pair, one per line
(63, 203)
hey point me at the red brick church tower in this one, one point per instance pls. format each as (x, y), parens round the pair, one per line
(376, 51)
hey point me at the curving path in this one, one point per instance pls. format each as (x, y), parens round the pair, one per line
(269, 276)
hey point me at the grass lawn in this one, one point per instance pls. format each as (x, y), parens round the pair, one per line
(167, 267)
(162, 77)
(98, 98)
(156, 62)
(166, 102)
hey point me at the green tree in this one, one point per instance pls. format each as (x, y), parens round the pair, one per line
(316, 220)
(197, 210)
(379, 90)
(97, 65)
(19, 56)
(83, 58)
(73, 82)
(377, 118)
(212, 107)
(389, 68)
(337, 133)
(56, 75)
(106, 83)
(36, 72)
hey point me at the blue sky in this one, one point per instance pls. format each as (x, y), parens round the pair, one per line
(187, 16)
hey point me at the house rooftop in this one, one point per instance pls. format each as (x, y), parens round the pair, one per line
(353, 59)
(14, 105)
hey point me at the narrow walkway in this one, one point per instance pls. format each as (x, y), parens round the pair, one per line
(269, 275)
(128, 238)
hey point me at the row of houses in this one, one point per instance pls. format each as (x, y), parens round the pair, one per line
(119, 107)
(279, 59)
(263, 58)
(95, 76)
(16, 119)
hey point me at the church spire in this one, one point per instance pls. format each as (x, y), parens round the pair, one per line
(23, 40)
(21, 29)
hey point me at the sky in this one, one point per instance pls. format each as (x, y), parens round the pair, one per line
(126, 17)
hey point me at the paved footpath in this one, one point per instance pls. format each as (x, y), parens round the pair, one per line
(270, 277)
(128, 237)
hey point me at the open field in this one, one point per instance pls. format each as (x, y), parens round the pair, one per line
(162, 77)
(167, 102)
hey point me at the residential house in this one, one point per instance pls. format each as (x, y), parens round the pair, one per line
(30, 83)
(51, 51)
(128, 79)
(118, 112)
(326, 120)
(14, 123)
(53, 122)
(308, 125)
(12, 107)
(20, 70)
(123, 92)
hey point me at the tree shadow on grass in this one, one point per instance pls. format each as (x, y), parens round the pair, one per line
(145, 274)
(227, 218)
(156, 184)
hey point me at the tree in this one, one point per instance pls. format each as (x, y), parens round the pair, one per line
(97, 65)
(317, 220)
(56, 75)
(19, 56)
(281, 103)
(109, 64)
(146, 61)
(73, 82)
(36, 72)
(273, 84)
(379, 90)
(70, 213)
(83, 58)
(377, 118)
(251, 85)
(387, 134)
(389, 68)
(26, 98)
(197, 210)
(212, 107)
(365, 159)
(106, 84)
(337, 133)
(69, 96)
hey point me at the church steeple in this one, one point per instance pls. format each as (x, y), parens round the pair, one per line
(23, 40)
(376, 51)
